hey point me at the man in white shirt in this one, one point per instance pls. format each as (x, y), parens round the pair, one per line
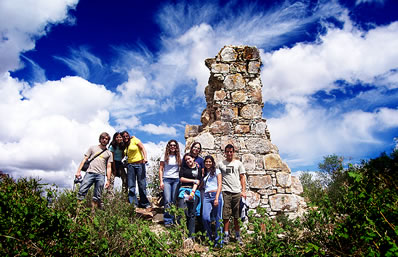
(233, 188)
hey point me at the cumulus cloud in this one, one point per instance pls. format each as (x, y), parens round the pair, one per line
(293, 75)
(22, 22)
(47, 127)
(162, 129)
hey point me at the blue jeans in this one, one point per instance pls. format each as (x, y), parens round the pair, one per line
(92, 178)
(212, 213)
(137, 173)
(190, 213)
(170, 196)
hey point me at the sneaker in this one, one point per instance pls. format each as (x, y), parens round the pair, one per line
(239, 240)
(226, 240)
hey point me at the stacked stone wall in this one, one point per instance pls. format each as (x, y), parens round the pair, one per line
(233, 115)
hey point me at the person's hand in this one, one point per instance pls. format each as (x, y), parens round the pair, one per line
(243, 194)
(191, 195)
(216, 202)
(107, 184)
(78, 174)
(161, 185)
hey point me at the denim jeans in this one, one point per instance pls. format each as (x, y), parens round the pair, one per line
(170, 196)
(92, 178)
(137, 173)
(212, 213)
(190, 213)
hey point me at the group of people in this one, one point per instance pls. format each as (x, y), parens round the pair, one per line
(207, 191)
(108, 162)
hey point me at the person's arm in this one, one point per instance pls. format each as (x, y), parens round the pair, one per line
(161, 168)
(195, 186)
(219, 186)
(190, 180)
(142, 149)
(243, 184)
(108, 174)
(79, 169)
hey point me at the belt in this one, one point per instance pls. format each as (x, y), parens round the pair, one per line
(210, 194)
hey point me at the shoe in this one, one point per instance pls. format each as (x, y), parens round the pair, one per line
(239, 240)
(226, 240)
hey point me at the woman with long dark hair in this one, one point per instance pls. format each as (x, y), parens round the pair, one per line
(169, 177)
(117, 148)
(212, 199)
(188, 197)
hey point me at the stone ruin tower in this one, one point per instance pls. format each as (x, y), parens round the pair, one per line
(234, 116)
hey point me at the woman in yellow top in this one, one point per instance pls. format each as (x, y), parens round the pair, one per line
(136, 159)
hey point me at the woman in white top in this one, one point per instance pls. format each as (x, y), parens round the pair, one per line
(169, 177)
(212, 199)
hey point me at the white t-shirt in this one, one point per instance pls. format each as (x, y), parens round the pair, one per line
(231, 175)
(171, 168)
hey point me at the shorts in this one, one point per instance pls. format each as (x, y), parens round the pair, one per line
(231, 205)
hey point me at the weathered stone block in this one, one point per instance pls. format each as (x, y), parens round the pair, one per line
(220, 127)
(228, 54)
(220, 68)
(255, 83)
(205, 118)
(283, 202)
(249, 162)
(283, 179)
(239, 97)
(251, 53)
(259, 145)
(206, 140)
(260, 128)
(252, 199)
(285, 168)
(273, 161)
(260, 181)
(234, 82)
(227, 114)
(267, 192)
(225, 140)
(297, 187)
(219, 95)
(254, 67)
(256, 96)
(242, 129)
(237, 67)
(251, 111)
(192, 130)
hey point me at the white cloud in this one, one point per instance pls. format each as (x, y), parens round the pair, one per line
(161, 129)
(314, 133)
(291, 75)
(49, 127)
(22, 22)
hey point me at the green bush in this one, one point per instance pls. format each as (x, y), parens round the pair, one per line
(27, 225)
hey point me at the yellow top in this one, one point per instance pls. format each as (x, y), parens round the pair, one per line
(133, 152)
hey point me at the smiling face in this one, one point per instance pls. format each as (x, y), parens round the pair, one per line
(229, 154)
(190, 161)
(119, 139)
(173, 146)
(208, 163)
(196, 148)
(126, 137)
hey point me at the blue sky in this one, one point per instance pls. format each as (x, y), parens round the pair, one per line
(71, 69)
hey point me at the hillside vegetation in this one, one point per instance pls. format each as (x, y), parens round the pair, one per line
(353, 212)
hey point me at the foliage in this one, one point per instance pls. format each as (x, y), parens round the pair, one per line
(27, 225)
(354, 214)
